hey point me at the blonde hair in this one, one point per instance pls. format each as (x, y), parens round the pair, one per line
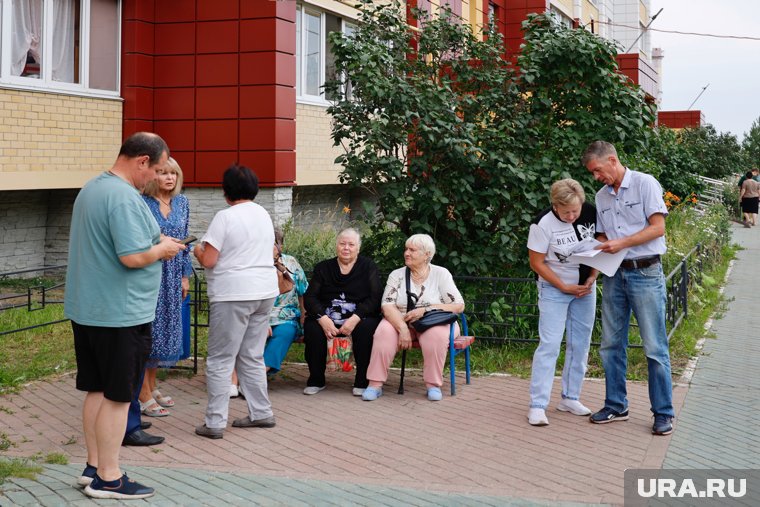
(151, 188)
(567, 192)
(424, 242)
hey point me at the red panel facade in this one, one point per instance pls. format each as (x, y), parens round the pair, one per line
(218, 37)
(514, 13)
(638, 71)
(216, 80)
(681, 119)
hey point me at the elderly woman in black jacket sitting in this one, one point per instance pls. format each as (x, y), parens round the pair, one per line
(343, 299)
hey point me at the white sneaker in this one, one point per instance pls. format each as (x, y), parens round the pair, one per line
(234, 392)
(357, 391)
(575, 407)
(312, 390)
(537, 417)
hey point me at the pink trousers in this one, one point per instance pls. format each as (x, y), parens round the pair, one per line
(434, 344)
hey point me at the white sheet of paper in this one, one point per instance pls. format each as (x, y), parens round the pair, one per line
(605, 262)
(587, 253)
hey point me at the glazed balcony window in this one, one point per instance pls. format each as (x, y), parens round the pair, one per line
(314, 59)
(60, 45)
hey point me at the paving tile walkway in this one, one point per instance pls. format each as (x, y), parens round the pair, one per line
(718, 427)
(472, 449)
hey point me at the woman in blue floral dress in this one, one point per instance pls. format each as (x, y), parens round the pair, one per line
(171, 210)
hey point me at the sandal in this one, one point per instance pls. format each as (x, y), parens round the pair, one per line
(151, 408)
(164, 401)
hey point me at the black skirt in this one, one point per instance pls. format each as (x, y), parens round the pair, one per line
(749, 204)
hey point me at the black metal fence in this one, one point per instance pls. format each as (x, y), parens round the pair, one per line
(499, 310)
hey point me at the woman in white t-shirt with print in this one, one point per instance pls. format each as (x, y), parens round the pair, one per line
(566, 298)
(242, 286)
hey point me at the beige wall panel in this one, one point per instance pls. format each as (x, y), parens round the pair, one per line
(342, 8)
(55, 141)
(589, 12)
(315, 153)
(566, 6)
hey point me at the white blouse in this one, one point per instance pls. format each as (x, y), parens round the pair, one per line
(438, 288)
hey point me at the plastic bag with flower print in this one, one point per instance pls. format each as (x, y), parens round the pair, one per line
(339, 354)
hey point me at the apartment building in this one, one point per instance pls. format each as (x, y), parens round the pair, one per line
(222, 81)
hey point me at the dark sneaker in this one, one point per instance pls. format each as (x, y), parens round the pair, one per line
(123, 488)
(663, 425)
(607, 415)
(87, 476)
(246, 422)
(207, 432)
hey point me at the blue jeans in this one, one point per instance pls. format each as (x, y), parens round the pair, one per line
(283, 335)
(560, 314)
(643, 292)
(134, 416)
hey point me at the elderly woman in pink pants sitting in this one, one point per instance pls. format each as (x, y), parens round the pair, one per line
(435, 289)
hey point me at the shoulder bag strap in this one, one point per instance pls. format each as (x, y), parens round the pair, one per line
(411, 297)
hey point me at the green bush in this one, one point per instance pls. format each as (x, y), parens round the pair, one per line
(687, 226)
(455, 143)
(309, 246)
(731, 198)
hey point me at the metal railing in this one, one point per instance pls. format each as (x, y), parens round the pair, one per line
(505, 310)
(499, 309)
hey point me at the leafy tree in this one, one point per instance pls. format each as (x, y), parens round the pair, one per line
(425, 132)
(574, 94)
(717, 155)
(455, 143)
(670, 161)
(751, 144)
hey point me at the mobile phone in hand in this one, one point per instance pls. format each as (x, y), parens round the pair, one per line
(188, 240)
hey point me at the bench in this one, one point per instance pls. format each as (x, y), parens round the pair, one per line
(457, 345)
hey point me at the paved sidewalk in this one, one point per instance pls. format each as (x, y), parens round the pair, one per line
(718, 427)
(472, 449)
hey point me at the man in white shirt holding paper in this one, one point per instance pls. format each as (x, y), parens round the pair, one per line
(631, 215)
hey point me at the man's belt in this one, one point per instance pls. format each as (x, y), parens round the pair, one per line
(643, 262)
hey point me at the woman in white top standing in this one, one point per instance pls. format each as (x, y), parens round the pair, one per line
(242, 286)
(566, 298)
(435, 289)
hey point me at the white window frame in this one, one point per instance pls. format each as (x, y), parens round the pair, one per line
(45, 82)
(559, 16)
(354, 26)
(301, 96)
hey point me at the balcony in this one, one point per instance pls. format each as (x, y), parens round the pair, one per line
(640, 72)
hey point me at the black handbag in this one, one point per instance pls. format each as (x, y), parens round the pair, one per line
(431, 317)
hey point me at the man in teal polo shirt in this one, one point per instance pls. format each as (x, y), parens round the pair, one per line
(112, 286)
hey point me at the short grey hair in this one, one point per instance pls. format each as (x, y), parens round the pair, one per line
(598, 150)
(349, 231)
(424, 242)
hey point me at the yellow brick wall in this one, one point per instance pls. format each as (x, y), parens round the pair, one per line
(566, 6)
(643, 13)
(52, 141)
(315, 153)
(589, 11)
